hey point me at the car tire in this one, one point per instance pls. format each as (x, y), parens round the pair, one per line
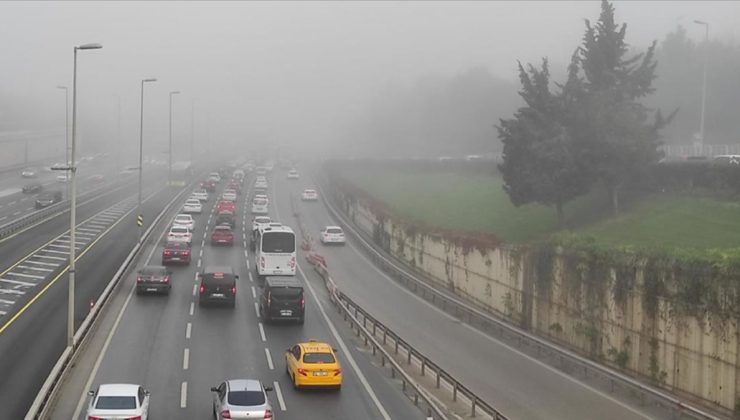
(295, 383)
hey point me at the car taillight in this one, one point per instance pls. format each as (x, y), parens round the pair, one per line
(138, 279)
(233, 290)
(303, 302)
(268, 414)
(202, 289)
(167, 252)
(167, 279)
(185, 253)
(337, 372)
(226, 414)
(302, 371)
(262, 262)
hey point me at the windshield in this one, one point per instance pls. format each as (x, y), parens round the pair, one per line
(278, 242)
(246, 398)
(116, 403)
(334, 230)
(286, 293)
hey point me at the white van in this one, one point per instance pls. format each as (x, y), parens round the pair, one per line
(259, 206)
(275, 253)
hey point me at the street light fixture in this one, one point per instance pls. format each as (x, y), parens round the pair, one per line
(73, 205)
(169, 165)
(704, 80)
(141, 151)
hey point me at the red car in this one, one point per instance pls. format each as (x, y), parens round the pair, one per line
(208, 185)
(222, 235)
(176, 252)
(225, 205)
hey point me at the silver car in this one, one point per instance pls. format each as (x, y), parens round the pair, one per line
(241, 399)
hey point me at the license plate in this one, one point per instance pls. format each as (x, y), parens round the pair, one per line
(218, 295)
(175, 259)
(286, 312)
(320, 373)
(151, 289)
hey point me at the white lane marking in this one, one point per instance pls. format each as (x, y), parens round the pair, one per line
(198, 263)
(50, 257)
(192, 307)
(279, 393)
(269, 359)
(248, 267)
(34, 268)
(186, 359)
(200, 254)
(30, 261)
(188, 330)
(250, 274)
(2, 313)
(184, 395)
(17, 213)
(202, 244)
(344, 348)
(30, 209)
(7, 302)
(108, 339)
(254, 293)
(257, 309)
(21, 283)
(195, 289)
(95, 231)
(262, 332)
(54, 251)
(30, 276)
(11, 292)
(245, 254)
(3, 218)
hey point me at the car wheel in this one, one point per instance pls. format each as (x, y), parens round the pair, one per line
(295, 384)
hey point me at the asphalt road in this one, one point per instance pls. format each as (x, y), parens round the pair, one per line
(164, 342)
(32, 342)
(516, 384)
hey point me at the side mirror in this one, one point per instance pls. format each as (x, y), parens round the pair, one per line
(334, 350)
(146, 392)
(214, 389)
(268, 388)
(91, 393)
(236, 277)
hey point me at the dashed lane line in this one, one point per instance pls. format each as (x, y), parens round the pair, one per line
(269, 359)
(262, 332)
(279, 394)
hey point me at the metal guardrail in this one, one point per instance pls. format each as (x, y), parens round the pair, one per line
(40, 407)
(477, 317)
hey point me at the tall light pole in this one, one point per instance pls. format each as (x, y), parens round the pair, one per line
(704, 80)
(66, 124)
(169, 164)
(141, 152)
(73, 205)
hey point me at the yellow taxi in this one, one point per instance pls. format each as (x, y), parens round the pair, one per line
(313, 364)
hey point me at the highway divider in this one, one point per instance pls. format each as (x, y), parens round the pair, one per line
(40, 407)
(478, 318)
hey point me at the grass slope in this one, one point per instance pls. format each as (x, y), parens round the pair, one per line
(478, 203)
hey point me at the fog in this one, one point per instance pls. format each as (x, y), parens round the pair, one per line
(298, 76)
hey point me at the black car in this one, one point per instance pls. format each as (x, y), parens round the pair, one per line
(218, 284)
(282, 299)
(153, 278)
(48, 198)
(32, 188)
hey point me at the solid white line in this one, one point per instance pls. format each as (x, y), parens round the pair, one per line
(257, 309)
(183, 395)
(192, 307)
(21, 283)
(254, 293)
(186, 359)
(269, 359)
(279, 393)
(108, 339)
(188, 330)
(262, 332)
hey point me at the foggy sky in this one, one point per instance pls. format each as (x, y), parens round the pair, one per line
(291, 73)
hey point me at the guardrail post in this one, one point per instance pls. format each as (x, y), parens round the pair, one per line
(474, 403)
(408, 356)
(382, 360)
(385, 335)
(423, 365)
(438, 379)
(454, 391)
(393, 372)
(396, 347)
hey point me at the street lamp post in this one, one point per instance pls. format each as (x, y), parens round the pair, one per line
(169, 164)
(704, 80)
(73, 205)
(141, 151)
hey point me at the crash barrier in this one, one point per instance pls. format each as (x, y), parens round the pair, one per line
(41, 405)
(483, 321)
(53, 210)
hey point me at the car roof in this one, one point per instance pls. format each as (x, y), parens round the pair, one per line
(282, 281)
(118, 389)
(313, 346)
(184, 215)
(222, 227)
(333, 227)
(244, 385)
(309, 190)
(281, 228)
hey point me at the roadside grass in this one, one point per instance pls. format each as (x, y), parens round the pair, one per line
(479, 203)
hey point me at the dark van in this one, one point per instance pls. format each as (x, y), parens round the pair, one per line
(282, 298)
(217, 285)
(45, 199)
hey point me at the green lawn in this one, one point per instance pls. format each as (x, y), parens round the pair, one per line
(478, 203)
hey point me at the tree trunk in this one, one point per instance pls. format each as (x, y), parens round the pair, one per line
(614, 192)
(561, 218)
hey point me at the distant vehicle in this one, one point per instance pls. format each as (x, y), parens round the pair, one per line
(33, 187)
(58, 165)
(259, 206)
(313, 364)
(209, 185)
(282, 299)
(275, 251)
(241, 399)
(185, 220)
(222, 235)
(200, 194)
(260, 184)
(62, 178)
(192, 205)
(214, 176)
(29, 173)
(293, 174)
(180, 233)
(260, 221)
(226, 218)
(332, 235)
(119, 401)
(48, 198)
(726, 160)
(217, 284)
(153, 278)
(472, 158)
(229, 195)
(309, 195)
(238, 174)
(234, 185)
(225, 205)
(98, 178)
(176, 252)
(262, 196)
(260, 170)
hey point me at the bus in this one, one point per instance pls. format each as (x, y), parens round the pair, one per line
(182, 174)
(275, 253)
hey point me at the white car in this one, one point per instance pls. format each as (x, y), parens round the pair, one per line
(185, 220)
(214, 176)
(192, 205)
(180, 233)
(260, 184)
(293, 174)
(201, 195)
(229, 195)
(118, 401)
(260, 222)
(309, 195)
(28, 173)
(259, 206)
(332, 235)
(238, 174)
(63, 178)
(262, 196)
